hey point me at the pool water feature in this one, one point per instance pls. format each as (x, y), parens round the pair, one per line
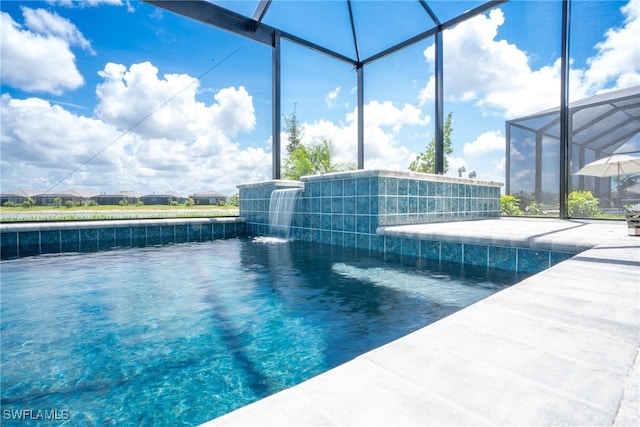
(281, 204)
(184, 333)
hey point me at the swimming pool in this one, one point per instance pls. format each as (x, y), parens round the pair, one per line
(184, 333)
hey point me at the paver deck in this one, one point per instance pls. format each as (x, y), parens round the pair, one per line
(559, 348)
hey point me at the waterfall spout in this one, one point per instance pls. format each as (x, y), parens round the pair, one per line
(281, 205)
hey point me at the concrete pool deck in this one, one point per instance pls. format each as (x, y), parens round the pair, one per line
(559, 348)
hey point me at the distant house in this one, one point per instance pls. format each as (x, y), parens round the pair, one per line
(163, 198)
(115, 198)
(209, 198)
(17, 196)
(76, 196)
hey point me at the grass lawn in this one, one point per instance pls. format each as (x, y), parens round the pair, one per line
(51, 213)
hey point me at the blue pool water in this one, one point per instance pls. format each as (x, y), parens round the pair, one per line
(181, 334)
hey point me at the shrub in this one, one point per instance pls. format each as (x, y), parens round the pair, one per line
(582, 204)
(123, 202)
(525, 199)
(92, 203)
(534, 208)
(9, 204)
(69, 204)
(510, 206)
(28, 203)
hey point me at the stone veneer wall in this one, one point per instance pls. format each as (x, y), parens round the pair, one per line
(346, 208)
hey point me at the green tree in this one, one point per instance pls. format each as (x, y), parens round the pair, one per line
(297, 163)
(294, 131)
(426, 162)
(123, 202)
(308, 159)
(57, 202)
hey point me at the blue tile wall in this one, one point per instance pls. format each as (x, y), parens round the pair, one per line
(532, 261)
(21, 240)
(70, 240)
(123, 237)
(106, 238)
(557, 257)
(504, 258)
(206, 232)
(181, 233)
(88, 240)
(361, 201)
(476, 255)
(50, 242)
(451, 252)
(167, 234)
(138, 236)
(29, 243)
(154, 235)
(254, 203)
(9, 245)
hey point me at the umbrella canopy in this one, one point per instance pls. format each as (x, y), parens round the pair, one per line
(616, 165)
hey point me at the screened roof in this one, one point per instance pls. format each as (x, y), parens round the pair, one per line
(355, 31)
(602, 123)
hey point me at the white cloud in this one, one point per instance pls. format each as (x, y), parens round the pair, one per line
(86, 3)
(382, 125)
(331, 97)
(167, 108)
(497, 77)
(618, 56)
(494, 74)
(488, 142)
(385, 114)
(50, 24)
(42, 143)
(38, 62)
(190, 149)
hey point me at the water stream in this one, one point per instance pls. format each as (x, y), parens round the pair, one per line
(281, 207)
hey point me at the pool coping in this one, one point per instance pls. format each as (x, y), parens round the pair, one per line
(559, 348)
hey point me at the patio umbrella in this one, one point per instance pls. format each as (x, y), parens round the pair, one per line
(615, 165)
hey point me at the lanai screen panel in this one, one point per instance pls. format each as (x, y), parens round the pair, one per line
(599, 126)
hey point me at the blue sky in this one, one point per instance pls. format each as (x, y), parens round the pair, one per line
(104, 95)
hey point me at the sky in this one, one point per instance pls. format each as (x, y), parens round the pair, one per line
(111, 95)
